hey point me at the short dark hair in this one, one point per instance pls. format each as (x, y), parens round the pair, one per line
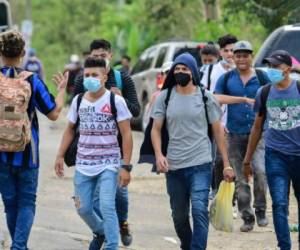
(128, 58)
(92, 62)
(12, 44)
(100, 44)
(227, 39)
(210, 49)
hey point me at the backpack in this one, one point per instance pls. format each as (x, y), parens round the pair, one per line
(15, 124)
(264, 97)
(70, 155)
(147, 154)
(259, 73)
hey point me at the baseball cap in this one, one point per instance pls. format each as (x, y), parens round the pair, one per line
(279, 57)
(242, 46)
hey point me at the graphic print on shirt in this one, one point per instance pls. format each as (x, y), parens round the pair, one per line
(98, 145)
(284, 114)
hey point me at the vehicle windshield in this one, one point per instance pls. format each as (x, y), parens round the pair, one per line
(285, 40)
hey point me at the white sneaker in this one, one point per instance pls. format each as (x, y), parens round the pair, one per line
(234, 212)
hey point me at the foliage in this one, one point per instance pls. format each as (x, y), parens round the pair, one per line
(62, 28)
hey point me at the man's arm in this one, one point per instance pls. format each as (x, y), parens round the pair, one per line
(61, 82)
(130, 95)
(66, 140)
(254, 138)
(127, 144)
(219, 136)
(227, 99)
(161, 160)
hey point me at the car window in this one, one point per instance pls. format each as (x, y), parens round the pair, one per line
(3, 15)
(161, 57)
(286, 40)
(192, 51)
(145, 60)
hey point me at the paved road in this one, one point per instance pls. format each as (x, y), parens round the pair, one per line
(58, 227)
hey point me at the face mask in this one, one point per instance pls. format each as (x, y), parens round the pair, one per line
(224, 61)
(182, 79)
(91, 84)
(275, 75)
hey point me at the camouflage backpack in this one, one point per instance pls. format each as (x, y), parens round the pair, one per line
(15, 126)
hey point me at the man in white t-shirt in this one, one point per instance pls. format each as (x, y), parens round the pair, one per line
(98, 160)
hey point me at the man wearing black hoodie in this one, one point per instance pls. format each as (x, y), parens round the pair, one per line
(187, 163)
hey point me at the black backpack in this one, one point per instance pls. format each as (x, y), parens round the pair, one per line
(70, 155)
(264, 97)
(147, 154)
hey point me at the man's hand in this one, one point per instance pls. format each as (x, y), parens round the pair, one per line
(247, 170)
(162, 164)
(124, 177)
(61, 80)
(59, 166)
(228, 174)
(249, 101)
(116, 91)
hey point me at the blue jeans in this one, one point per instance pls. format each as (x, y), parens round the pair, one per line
(121, 204)
(85, 187)
(185, 186)
(18, 189)
(281, 169)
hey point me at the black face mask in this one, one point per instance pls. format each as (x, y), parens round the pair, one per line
(182, 79)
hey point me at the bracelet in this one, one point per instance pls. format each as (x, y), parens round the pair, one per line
(226, 168)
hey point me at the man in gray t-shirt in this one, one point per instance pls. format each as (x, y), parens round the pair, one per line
(188, 161)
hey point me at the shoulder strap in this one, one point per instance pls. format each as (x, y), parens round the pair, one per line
(210, 68)
(118, 78)
(24, 75)
(298, 86)
(79, 99)
(226, 77)
(205, 99)
(260, 76)
(168, 96)
(113, 105)
(263, 99)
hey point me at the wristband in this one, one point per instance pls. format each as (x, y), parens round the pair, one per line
(226, 168)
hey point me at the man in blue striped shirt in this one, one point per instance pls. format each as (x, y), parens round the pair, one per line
(19, 170)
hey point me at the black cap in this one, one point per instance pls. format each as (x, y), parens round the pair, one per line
(279, 57)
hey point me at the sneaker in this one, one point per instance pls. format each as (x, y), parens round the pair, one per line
(97, 242)
(234, 212)
(248, 225)
(261, 218)
(126, 236)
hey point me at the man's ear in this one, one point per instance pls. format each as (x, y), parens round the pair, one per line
(23, 53)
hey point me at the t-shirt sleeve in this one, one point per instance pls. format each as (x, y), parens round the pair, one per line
(44, 101)
(257, 104)
(213, 109)
(73, 114)
(159, 108)
(220, 85)
(123, 112)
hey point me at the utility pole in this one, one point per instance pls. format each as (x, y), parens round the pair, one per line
(28, 10)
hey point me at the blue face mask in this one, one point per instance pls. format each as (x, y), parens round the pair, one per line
(91, 84)
(275, 75)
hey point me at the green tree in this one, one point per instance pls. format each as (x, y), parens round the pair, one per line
(271, 13)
